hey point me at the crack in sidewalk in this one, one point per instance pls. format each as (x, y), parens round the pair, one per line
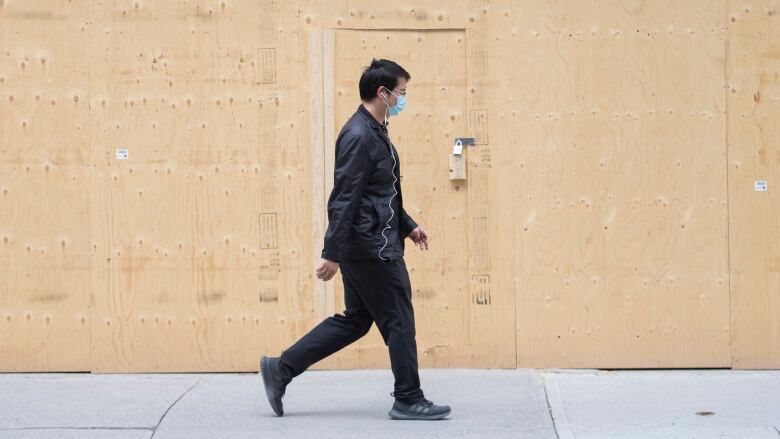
(154, 431)
(549, 407)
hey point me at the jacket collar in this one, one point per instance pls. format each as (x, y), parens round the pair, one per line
(374, 123)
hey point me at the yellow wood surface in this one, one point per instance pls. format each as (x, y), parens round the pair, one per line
(753, 72)
(609, 217)
(618, 153)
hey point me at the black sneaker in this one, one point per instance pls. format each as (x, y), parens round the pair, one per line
(420, 411)
(272, 380)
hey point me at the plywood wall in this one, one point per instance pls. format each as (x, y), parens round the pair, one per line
(609, 218)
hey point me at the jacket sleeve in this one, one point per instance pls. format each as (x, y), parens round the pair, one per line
(350, 178)
(409, 224)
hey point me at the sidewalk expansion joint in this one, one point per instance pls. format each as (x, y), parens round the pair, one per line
(77, 428)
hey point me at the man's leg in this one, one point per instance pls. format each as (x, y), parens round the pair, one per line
(330, 336)
(386, 291)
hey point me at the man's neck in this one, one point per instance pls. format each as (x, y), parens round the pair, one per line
(377, 110)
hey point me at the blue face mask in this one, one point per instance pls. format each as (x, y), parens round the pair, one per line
(398, 107)
(400, 104)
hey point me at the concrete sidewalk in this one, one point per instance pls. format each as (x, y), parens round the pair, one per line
(522, 403)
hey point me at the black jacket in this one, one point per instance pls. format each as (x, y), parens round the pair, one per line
(366, 218)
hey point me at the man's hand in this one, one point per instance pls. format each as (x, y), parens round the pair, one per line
(420, 238)
(327, 270)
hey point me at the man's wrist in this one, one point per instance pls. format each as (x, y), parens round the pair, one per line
(330, 256)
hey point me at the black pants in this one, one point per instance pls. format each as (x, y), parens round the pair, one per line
(374, 291)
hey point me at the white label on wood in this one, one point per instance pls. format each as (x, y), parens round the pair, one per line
(760, 186)
(122, 154)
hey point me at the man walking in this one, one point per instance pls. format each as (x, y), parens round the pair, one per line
(367, 226)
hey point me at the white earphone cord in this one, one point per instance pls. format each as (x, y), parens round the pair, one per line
(392, 212)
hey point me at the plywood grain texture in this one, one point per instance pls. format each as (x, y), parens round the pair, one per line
(622, 246)
(609, 218)
(753, 92)
(203, 234)
(45, 176)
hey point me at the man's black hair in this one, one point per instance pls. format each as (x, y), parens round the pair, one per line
(381, 73)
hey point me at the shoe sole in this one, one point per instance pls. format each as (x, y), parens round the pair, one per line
(402, 416)
(268, 387)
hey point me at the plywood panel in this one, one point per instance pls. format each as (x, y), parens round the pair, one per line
(44, 188)
(491, 276)
(754, 155)
(201, 234)
(618, 151)
(319, 207)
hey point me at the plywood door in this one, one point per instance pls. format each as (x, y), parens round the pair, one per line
(423, 133)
